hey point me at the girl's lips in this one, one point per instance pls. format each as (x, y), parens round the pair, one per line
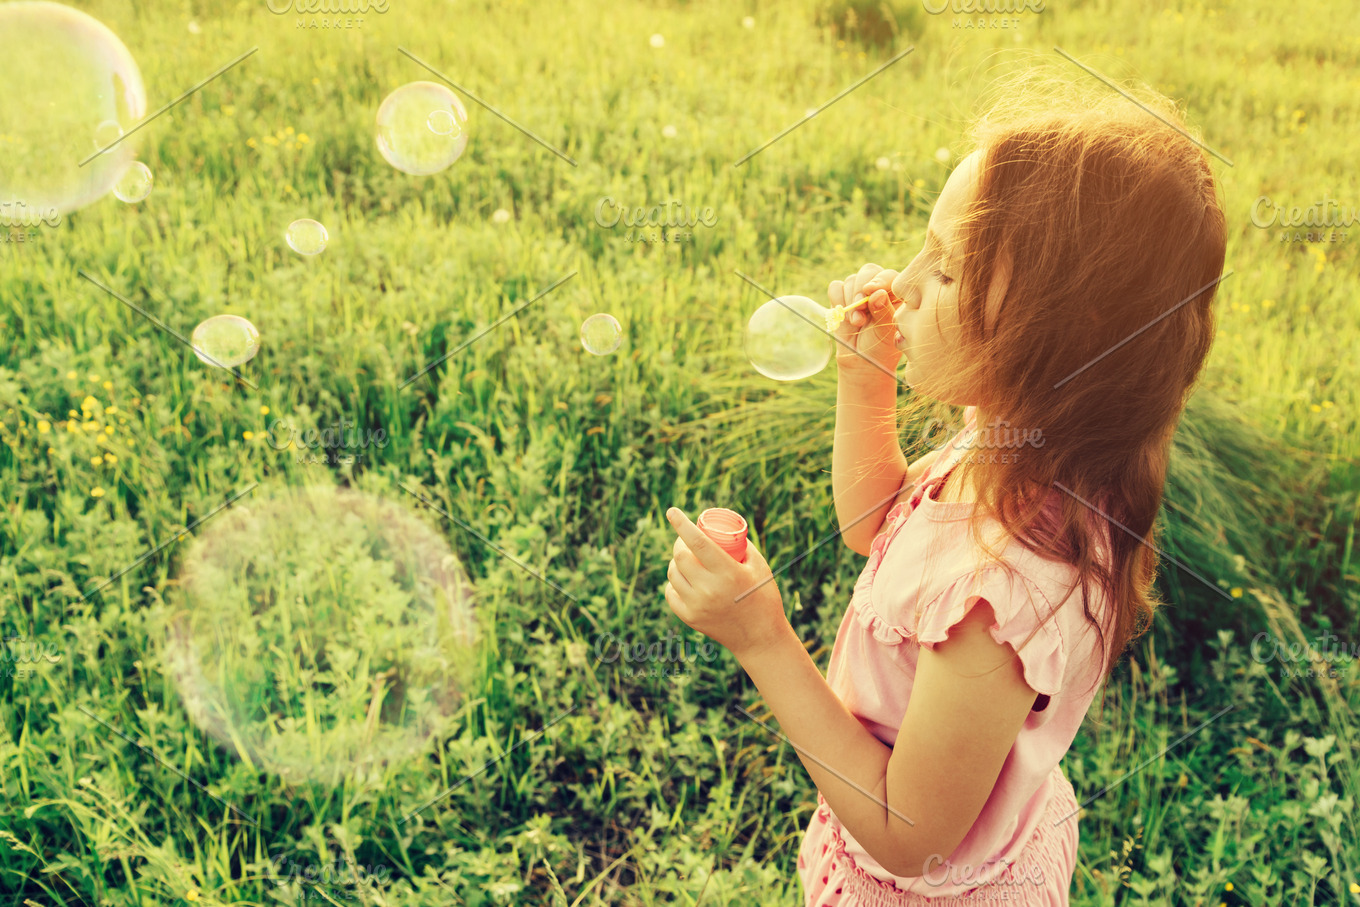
(899, 341)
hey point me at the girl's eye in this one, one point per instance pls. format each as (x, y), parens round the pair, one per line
(943, 278)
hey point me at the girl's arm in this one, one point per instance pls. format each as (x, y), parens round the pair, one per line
(867, 465)
(912, 804)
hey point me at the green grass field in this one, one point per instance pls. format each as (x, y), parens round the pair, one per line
(651, 789)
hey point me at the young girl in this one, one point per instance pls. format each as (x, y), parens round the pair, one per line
(1063, 298)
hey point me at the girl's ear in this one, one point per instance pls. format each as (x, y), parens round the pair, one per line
(1001, 281)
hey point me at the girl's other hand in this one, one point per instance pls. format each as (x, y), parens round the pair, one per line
(868, 333)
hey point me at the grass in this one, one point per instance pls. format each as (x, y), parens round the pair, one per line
(650, 789)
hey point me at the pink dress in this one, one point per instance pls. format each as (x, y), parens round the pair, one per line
(924, 573)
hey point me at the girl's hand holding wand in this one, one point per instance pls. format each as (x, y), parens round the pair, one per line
(737, 605)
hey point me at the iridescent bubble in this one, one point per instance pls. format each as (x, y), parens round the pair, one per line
(443, 122)
(65, 74)
(786, 339)
(105, 134)
(307, 237)
(225, 341)
(405, 134)
(135, 183)
(326, 634)
(601, 334)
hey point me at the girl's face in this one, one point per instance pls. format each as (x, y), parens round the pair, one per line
(928, 287)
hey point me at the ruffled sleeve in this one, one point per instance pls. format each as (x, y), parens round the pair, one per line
(1019, 608)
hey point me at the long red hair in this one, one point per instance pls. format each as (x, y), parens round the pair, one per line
(1108, 220)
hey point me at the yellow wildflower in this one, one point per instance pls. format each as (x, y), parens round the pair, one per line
(247, 435)
(96, 492)
(264, 410)
(95, 461)
(70, 376)
(1235, 591)
(44, 426)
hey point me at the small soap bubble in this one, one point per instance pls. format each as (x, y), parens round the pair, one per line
(411, 126)
(194, 28)
(500, 216)
(669, 131)
(225, 341)
(307, 237)
(658, 41)
(785, 339)
(942, 155)
(601, 334)
(883, 163)
(135, 183)
(748, 22)
(443, 122)
(105, 134)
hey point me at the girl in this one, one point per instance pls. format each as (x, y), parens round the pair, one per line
(1063, 298)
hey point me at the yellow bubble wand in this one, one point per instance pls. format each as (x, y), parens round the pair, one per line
(836, 314)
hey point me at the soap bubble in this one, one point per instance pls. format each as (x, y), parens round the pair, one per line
(324, 633)
(657, 41)
(306, 236)
(500, 216)
(443, 122)
(786, 340)
(942, 155)
(105, 134)
(748, 22)
(601, 334)
(135, 183)
(406, 134)
(66, 74)
(669, 131)
(225, 341)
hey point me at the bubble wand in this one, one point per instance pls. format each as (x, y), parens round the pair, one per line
(836, 314)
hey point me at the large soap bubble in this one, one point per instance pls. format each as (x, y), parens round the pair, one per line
(321, 632)
(70, 87)
(786, 338)
(422, 128)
